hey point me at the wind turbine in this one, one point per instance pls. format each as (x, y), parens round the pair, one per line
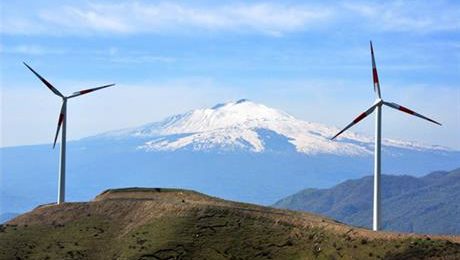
(378, 136)
(62, 121)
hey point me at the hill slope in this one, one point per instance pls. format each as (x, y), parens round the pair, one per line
(170, 224)
(428, 204)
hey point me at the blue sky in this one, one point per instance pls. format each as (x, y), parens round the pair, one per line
(310, 59)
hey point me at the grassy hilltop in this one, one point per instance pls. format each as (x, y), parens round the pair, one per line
(139, 223)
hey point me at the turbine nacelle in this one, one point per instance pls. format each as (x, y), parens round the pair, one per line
(379, 101)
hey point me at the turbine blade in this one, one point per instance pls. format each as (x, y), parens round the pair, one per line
(356, 120)
(51, 87)
(85, 91)
(60, 120)
(409, 111)
(375, 76)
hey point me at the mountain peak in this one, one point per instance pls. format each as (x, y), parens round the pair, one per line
(244, 107)
(220, 105)
(242, 125)
(251, 126)
(242, 100)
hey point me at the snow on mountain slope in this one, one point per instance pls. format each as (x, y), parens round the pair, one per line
(245, 125)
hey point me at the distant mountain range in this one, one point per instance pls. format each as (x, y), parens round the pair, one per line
(428, 204)
(240, 150)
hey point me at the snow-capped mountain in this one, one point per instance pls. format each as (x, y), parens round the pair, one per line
(238, 150)
(249, 126)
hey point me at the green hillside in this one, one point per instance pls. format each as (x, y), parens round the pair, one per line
(428, 204)
(140, 223)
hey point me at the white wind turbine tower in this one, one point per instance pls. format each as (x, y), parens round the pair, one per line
(378, 138)
(62, 121)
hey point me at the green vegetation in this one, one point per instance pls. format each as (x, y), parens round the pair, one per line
(428, 204)
(181, 224)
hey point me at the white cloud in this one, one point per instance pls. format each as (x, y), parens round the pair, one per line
(111, 54)
(94, 17)
(410, 16)
(30, 50)
(270, 18)
(142, 17)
